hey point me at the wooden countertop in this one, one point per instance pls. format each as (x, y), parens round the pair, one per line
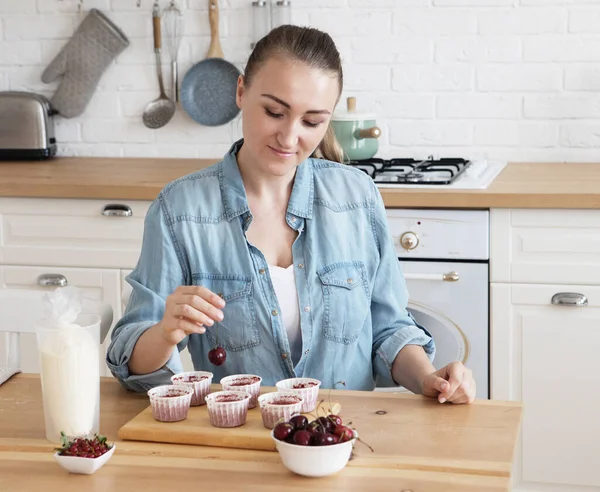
(519, 185)
(526, 185)
(420, 446)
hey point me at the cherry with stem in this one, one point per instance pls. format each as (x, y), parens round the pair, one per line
(217, 355)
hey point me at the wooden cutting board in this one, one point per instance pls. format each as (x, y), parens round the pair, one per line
(196, 429)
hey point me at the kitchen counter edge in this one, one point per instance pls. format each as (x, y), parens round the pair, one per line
(519, 185)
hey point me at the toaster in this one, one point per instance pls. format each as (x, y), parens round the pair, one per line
(26, 127)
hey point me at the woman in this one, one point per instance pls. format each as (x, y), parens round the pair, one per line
(278, 254)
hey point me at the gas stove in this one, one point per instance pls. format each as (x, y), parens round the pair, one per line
(430, 172)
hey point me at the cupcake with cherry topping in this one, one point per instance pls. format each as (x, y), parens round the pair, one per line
(170, 403)
(306, 388)
(227, 408)
(200, 381)
(278, 405)
(250, 383)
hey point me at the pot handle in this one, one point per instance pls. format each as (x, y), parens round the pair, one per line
(374, 132)
(351, 104)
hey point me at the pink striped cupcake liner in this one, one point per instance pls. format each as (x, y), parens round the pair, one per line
(278, 405)
(200, 381)
(306, 388)
(250, 383)
(170, 403)
(227, 408)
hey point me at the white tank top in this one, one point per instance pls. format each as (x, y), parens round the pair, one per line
(284, 282)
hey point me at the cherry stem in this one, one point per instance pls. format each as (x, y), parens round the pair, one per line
(343, 383)
(360, 440)
(217, 327)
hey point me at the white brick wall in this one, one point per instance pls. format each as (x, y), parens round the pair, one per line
(510, 79)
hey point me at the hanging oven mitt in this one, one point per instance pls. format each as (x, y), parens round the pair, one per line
(82, 61)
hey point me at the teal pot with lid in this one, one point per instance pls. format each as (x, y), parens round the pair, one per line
(357, 133)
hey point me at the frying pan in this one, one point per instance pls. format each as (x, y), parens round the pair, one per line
(208, 88)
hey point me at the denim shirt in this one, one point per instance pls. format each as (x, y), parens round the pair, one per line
(351, 291)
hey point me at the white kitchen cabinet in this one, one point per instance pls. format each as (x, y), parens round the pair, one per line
(544, 354)
(86, 241)
(545, 246)
(547, 357)
(101, 284)
(125, 289)
(71, 233)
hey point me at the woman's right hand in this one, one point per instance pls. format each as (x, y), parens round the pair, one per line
(188, 310)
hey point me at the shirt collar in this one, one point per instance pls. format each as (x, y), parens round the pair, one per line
(234, 193)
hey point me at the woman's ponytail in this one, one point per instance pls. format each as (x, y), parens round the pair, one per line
(329, 148)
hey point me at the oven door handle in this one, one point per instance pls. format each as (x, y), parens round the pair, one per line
(444, 277)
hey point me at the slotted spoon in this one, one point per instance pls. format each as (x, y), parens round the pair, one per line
(160, 111)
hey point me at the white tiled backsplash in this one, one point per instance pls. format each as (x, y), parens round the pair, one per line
(507, 79)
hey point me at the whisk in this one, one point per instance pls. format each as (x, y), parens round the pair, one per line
(173, 26)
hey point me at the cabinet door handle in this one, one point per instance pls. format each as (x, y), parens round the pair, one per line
(569, 299)
(444, 277)
(117, 210)
(52, 280)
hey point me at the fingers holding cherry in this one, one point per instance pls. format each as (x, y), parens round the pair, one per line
(189, 310)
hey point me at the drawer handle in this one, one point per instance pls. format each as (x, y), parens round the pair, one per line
(52, 280)
(117, 210)
(444, 277)
(569, 299)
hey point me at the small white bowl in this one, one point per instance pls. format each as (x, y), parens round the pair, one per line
(87, 466)
(315, 461)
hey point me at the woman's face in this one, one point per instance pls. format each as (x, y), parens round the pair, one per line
(285, 113)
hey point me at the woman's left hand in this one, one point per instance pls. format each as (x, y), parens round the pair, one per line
(453, 383)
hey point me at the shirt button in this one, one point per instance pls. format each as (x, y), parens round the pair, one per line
(274, 312)
(300, 265)
(262, 271)
(350, 280)
(293, 219)
(284, 356)
(307, 309)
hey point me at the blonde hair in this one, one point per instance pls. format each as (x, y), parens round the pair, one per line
(313, 47)
(329, 148)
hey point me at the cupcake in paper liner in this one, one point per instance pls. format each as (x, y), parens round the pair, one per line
(279, 405)
(200, 381)
(227, 408)
(306, 388)
(170, 403)
(250, 383)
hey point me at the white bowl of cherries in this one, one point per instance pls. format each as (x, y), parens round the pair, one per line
(314, 448)
(83, 454)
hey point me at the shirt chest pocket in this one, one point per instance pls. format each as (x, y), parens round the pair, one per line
(239, 328)
(345, 300)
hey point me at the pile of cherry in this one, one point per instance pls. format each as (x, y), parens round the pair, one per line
(83, 447)
(322, 431)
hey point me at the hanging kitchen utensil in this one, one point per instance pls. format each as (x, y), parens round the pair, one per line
(173, 22)
(82, 62)
(160, 111)
(208, 88)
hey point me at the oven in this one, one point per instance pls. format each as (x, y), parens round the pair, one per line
(444, 255)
